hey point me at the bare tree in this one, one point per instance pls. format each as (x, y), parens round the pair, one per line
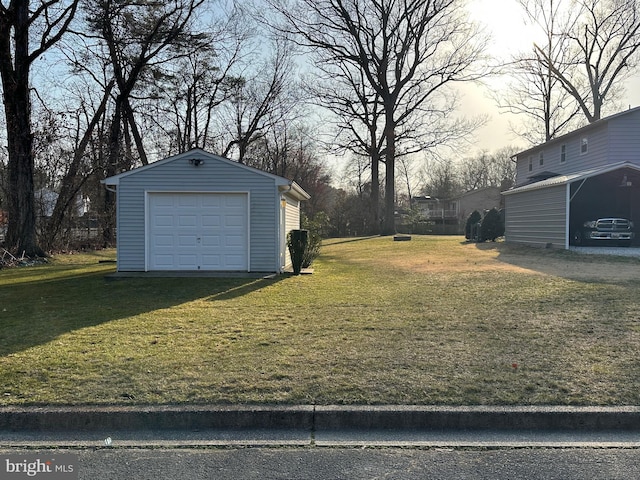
(603, 47)
(408, 52)
(533, 90)
(442, 181)
(73, 179)
(487, 169)
(258, 101)
(359, 120)
(137, 36)
(192, 90)
(46, 23)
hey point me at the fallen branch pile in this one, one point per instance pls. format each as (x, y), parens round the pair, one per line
(7, 260)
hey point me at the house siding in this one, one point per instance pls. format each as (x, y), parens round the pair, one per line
(624, 138)
(614, 140)
(596, 156)
(537, 217)
(211, 176)
(483, 199)
(292, 222)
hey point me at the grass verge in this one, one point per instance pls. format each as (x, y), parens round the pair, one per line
(430, 321)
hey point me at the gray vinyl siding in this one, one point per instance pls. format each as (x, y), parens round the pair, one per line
(597, 155)
(624, 138)
(212, 176)
(537, 217)
(291, 222)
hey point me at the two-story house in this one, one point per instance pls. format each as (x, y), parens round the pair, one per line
(590, 173)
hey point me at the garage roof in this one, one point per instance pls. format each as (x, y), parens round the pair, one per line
(284, 185)
(572, 177)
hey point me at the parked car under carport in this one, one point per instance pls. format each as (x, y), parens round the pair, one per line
(604, 231)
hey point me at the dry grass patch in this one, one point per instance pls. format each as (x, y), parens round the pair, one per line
(431, 321)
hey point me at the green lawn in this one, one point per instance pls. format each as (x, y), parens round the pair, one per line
(430, 321)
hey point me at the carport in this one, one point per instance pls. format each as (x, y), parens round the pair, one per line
(545, 213)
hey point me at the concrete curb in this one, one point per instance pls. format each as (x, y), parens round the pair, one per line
(319, 418)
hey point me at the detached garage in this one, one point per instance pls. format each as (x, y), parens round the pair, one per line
(200, 212)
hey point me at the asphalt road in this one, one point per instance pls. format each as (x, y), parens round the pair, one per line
(316, 463)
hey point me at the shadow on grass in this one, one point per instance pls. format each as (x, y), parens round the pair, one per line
(566, 263)
(36, 311)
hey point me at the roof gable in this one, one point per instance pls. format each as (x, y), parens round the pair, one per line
(283, 184)
(196, 153)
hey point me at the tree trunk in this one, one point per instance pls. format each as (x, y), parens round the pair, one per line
(14, 71)
(113, 161)
(374, 207)
(389, 223)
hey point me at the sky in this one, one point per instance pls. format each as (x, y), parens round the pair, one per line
(510, 33)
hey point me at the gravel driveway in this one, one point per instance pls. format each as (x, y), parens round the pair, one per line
(620, 251)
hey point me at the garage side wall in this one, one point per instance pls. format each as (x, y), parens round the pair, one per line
(291, 222)
(212, 176)
(536, 217)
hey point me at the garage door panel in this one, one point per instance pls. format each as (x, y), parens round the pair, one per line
(187, 240)
(235, 201)
(211, 221)
(212, 201)
(163, 241)
(234, 220)
(186, 262)
(211, 262)
(187, 201)
(164, 201)
(234, 261)
(187, 220)
(211, 241)
(163, 260)
(163, 220)
(198, 231)
(234, 241)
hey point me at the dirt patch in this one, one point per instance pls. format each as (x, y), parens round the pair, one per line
(567, 264)
(501, 257)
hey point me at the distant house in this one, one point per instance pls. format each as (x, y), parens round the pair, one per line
(432, 208)
(481, 200)
(589, 173)
(201, 212)
(46, 201)
(454, 212)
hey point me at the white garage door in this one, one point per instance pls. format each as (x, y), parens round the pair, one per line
(198, 231)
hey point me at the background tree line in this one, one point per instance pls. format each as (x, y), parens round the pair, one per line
(94, 88)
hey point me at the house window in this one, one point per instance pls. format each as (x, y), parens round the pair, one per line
(563, 153)
(541, 158)
(584, 145)
(530, 163)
